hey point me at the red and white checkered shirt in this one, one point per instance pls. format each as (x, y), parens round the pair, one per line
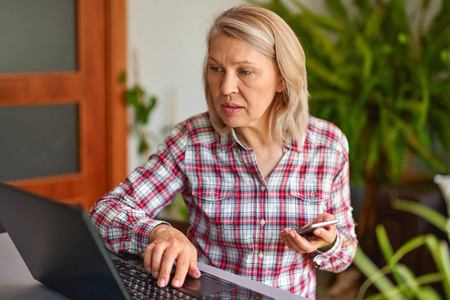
(236, 216)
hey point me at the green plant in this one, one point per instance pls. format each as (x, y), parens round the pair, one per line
(407, 285)
(432, 216)
(381, 75)
(382, 80)
(142, 106)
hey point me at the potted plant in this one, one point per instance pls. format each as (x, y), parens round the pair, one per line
(381, 74)
(404, 284)
(142, 105)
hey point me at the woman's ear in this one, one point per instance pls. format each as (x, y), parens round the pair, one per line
(281, 86)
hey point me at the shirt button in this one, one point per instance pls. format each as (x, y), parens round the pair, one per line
(262, 222)
(140, 250)
(263, 188)
(260, 255)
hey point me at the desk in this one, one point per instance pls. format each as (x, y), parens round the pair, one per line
(16, 282)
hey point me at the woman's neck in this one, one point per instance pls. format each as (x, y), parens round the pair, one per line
(268, 152)
(254, 138)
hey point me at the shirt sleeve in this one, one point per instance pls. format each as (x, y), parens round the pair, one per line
(125, 216)
(341, 255)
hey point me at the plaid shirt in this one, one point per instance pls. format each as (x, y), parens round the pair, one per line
(236, 216)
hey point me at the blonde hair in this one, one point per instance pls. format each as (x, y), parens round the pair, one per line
(269, 34)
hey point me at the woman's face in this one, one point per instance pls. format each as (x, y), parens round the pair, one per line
(243, 83)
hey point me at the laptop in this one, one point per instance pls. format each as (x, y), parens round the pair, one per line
(63, 251)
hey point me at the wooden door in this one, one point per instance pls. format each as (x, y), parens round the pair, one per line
(90, 95)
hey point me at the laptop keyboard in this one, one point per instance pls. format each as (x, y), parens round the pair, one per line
(142, 285)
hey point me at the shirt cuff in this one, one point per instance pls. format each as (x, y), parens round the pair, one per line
(140, 234)
(322, 258)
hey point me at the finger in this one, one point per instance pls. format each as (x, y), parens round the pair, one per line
(285, 236)
(289, 232)
(324, 217)
(181, 271)
(326, 235)
(193, 270)
(287, 241)
(165, 270)
(321, 218)
(302, 245)
(186, 265)
(294, 241)
(156, 258)
(148, 258)
(299, 243)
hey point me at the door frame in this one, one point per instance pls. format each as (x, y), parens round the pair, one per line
(111, 107)
(116, 110)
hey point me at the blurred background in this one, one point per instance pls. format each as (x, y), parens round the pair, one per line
(88, 89)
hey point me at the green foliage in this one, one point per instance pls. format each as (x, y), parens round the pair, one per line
(434, 217)
(407, 285)
(143, 106)
(176, 210)
(383, 81)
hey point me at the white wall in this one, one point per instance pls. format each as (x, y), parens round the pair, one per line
(169, 36)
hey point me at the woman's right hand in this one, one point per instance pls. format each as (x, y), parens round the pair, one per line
(168, 245)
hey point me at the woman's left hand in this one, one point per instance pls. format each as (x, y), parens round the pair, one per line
(321, 238)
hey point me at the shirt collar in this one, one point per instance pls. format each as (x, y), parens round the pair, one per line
(229, 140)
(294, 145)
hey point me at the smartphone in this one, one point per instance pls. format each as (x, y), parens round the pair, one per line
(310, 228)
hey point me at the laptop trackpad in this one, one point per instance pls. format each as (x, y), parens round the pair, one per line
(208, 284)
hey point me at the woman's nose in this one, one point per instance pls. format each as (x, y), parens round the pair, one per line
(229, 84)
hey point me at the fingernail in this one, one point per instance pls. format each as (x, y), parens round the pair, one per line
(318, 231)
(156, 274)
(162, 283)
(176, 283)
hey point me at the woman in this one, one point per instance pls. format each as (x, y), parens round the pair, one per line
(252, 171)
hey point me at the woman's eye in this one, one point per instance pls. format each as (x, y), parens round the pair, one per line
(215, 69)
(246, 72)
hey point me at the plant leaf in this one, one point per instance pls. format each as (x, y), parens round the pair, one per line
(429, 214)
(375, 276)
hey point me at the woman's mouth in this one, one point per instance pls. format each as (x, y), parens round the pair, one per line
(231, 108)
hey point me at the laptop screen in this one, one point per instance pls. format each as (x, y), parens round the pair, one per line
(55, 244)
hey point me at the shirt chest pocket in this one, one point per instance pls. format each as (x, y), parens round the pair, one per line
(216, 203)
(224, 222)
(308, 198)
